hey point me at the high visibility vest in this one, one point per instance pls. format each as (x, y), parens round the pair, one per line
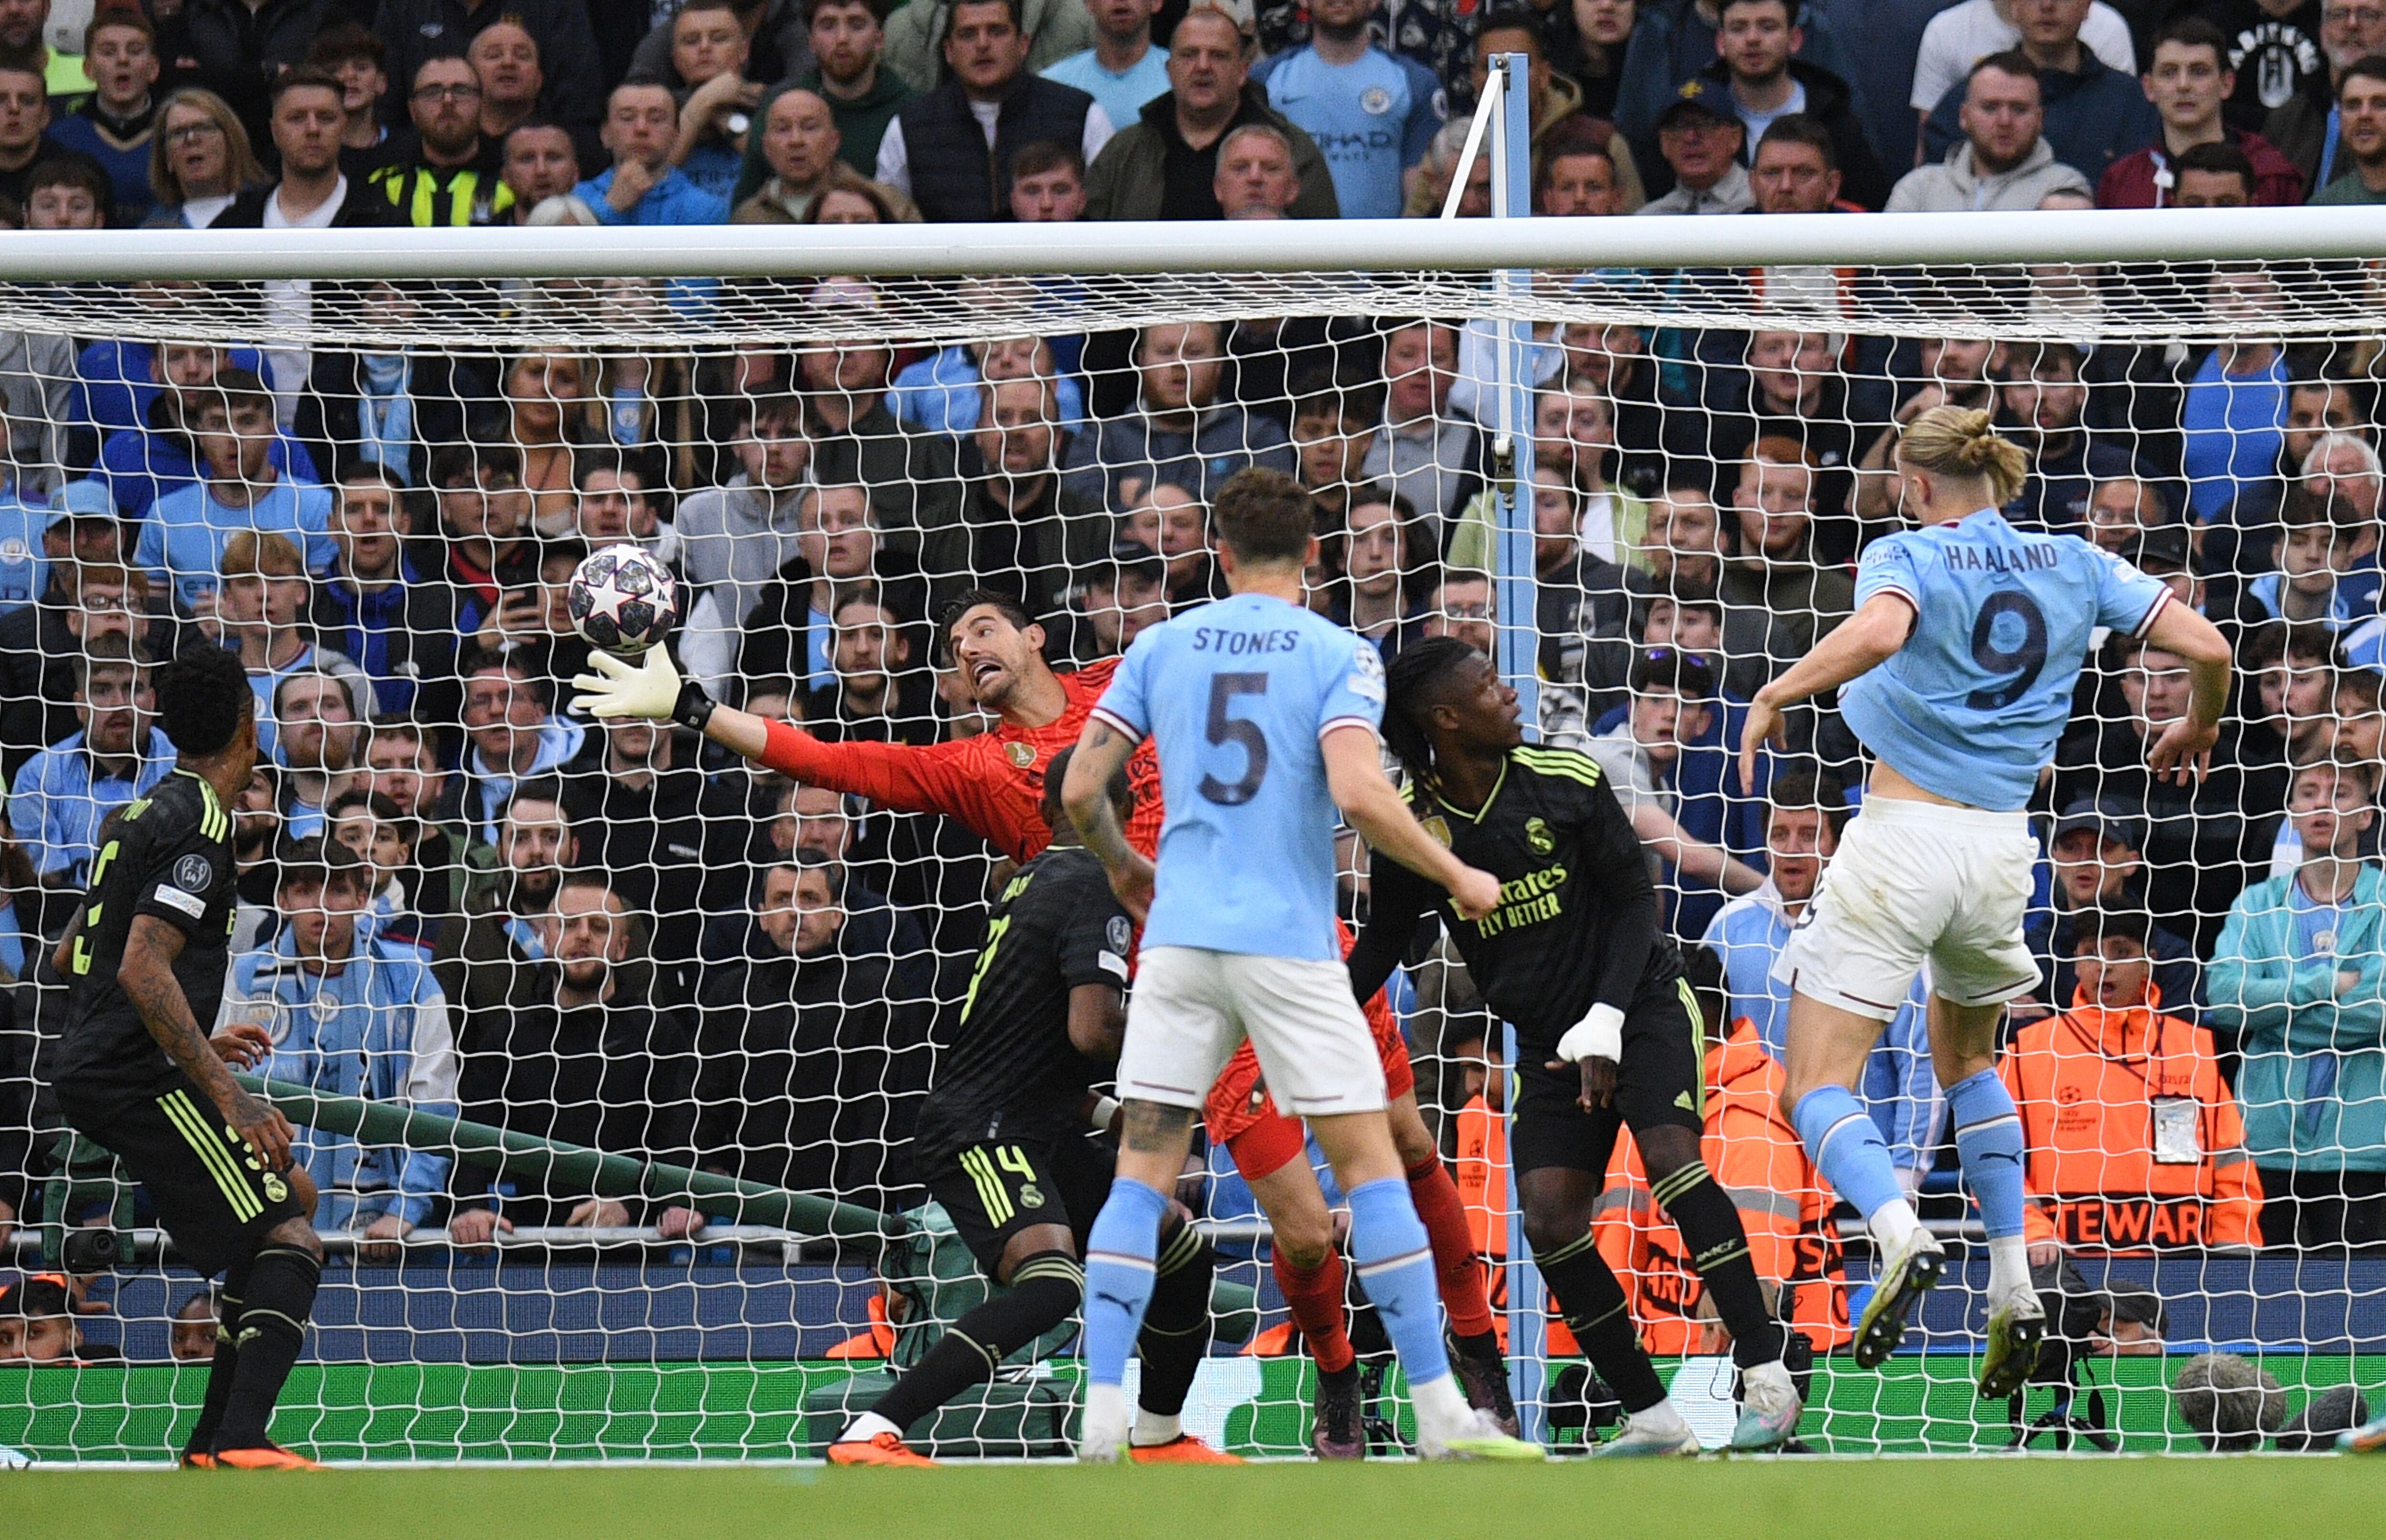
(2087, 1085)
(1756, 1155)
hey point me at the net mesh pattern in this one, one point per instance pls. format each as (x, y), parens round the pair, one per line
(824, 465)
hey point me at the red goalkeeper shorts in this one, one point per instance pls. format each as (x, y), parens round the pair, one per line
(1263, 1140)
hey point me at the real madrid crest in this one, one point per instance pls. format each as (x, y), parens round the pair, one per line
(1021, 755)
(1538, 836)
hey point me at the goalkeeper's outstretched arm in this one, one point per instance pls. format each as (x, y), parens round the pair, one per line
(914, 780)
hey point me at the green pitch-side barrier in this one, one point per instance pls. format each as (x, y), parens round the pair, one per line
(593, 1171)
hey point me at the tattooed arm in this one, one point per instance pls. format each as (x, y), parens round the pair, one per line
(148, 981)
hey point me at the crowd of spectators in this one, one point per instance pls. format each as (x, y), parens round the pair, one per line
(458, 893)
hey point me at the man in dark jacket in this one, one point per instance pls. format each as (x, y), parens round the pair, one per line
(1018, 530)
(638, 811)
(418, 30)
(307, 116)
(1165, 165)
(946, 158)
(377, 607)
(237, 50)
(578, 1052)
(1765, 83)
(814, 1057)
(2095, 115)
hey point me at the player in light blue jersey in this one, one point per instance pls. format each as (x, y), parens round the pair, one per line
(1957, 671)
(1373, 114)
(1264, 716)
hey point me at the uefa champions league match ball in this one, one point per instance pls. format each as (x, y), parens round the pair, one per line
(624, 601)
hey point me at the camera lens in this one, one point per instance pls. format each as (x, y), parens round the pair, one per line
(736, 122)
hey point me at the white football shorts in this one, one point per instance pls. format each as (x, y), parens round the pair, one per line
(1192, 1007)
(1916, 884)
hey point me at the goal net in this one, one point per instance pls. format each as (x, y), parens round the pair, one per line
(1637, 459)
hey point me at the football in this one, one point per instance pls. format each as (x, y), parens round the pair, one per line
(624, 601)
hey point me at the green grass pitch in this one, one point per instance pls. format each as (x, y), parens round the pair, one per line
(2075, 1498)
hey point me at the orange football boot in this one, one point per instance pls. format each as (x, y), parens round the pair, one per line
(1184, 1449)
(879, 1449)
(270, 1456)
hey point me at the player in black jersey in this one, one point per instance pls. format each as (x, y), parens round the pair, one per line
(136, 1070)
(1003, 1141)
(1608, 1033)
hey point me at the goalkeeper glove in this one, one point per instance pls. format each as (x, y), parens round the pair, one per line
(1600, 1034)
(651, 689)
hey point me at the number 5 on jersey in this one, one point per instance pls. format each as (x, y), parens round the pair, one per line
(1225, 728)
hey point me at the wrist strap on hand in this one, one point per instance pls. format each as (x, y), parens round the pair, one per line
(1600, 1034)
(694, 709)
(1105, 1108)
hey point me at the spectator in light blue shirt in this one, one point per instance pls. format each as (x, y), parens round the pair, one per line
(63, 793)
(941, 393)
(1746, 936)
(1124, 68)
(182, 540)
(24, 557)
(151, 458)
(352, 1015)
(643, 187)
(1373, 114)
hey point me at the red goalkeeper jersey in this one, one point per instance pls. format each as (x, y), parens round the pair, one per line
(993, 785)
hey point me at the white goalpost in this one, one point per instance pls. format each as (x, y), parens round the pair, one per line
(1596, 444)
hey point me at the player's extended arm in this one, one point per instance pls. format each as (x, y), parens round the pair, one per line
(1096, 1020)
(2184, 750)
(1864, 641)
(1396, 898)
(1102, 752)
(1354, 777)
(148, 979)
(1691, 854)
(892, 775)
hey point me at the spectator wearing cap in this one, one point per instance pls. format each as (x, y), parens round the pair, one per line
(1805, 815)
(2097, 850)
(2361, 112)
(2298, 983)
(1699, 135)
(2004, 160)
(949, 151)
(2134, 1141)
(1763, 82)
(37, 1323)
(1671, 44)
(1164, 166)
(2189, 80)
(2093, 113)
(1118, 600)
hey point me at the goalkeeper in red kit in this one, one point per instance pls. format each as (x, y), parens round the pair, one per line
(993, 785)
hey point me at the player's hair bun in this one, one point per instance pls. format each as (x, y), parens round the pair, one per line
(1963, 442)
